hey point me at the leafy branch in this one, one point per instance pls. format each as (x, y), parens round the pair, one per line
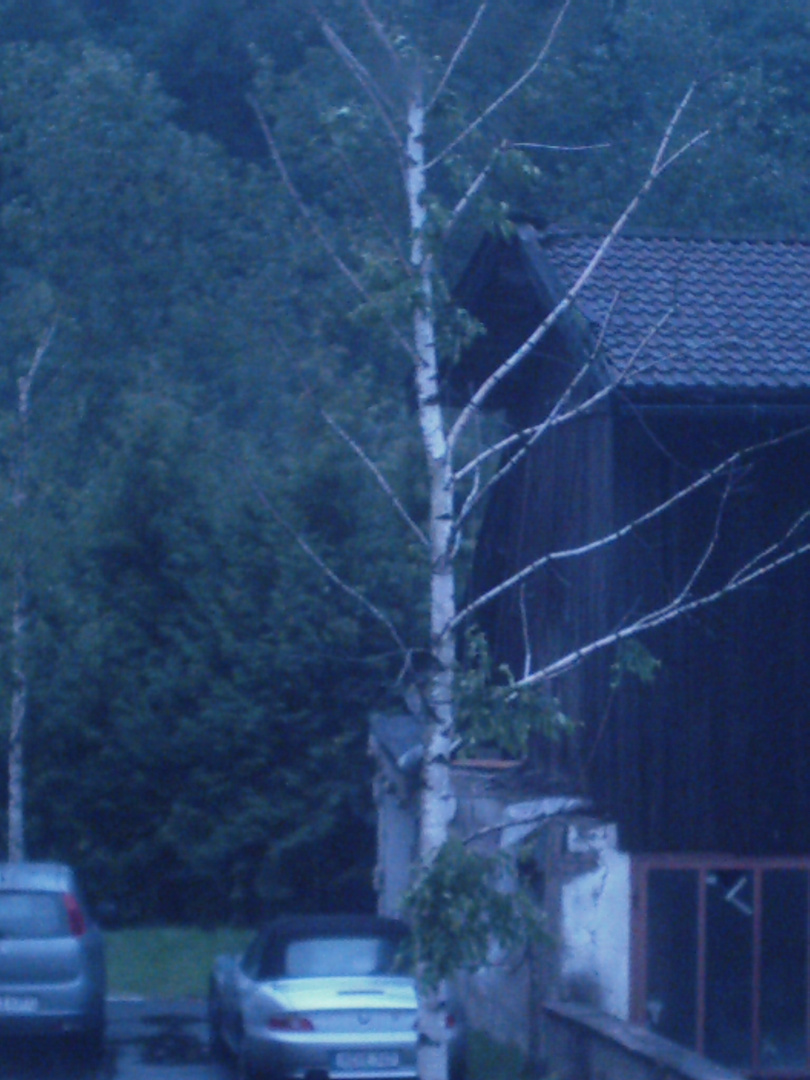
(458, 908)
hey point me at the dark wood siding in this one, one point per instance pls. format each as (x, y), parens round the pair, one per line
(714, 754)
(558, 498)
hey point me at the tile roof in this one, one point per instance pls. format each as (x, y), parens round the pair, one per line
(739, 310)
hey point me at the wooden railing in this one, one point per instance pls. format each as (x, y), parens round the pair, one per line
(583, 1043)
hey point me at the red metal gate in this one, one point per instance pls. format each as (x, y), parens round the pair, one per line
(720, 958)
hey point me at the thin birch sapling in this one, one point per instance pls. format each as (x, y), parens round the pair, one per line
(19, 616)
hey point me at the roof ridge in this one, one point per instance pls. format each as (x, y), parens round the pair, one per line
(718, 315)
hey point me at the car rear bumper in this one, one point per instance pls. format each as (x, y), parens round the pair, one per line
(50, 1010)
(49, 1024)
(297, 1059)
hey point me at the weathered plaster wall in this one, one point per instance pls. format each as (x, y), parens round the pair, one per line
(396, 848)
(595, 921)
(582, 882)
(503, 999)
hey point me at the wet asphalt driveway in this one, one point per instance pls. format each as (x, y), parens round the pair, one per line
(146, 1040)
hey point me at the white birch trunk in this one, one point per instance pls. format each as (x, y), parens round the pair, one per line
(19, 620)
(437, 801)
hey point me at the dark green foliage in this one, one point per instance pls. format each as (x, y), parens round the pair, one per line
(621, 73)
(633, 658)
(199, 691)
(215, 741)
(496, 715)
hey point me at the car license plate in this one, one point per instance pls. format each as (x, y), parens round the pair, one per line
(366, 1059)
(18, 1004)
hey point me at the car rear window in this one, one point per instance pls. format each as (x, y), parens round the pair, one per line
(315, 957)
(33, 915)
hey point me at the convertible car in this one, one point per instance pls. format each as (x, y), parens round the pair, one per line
(318, 998)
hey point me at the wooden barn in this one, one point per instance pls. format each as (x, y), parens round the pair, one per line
(683, 445)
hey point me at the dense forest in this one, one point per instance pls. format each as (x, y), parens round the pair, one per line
(199, 691)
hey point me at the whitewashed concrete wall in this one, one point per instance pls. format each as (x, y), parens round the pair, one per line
(396, 850)
(587, 901)
(503, 998)
(595, 921)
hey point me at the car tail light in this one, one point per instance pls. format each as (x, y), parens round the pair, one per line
(76, 920)
(449, 1022)
(290, 1023)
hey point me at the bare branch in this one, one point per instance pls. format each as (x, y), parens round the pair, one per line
(483, 175)
(454, 59)
(368, 83)
(676, 610)
(561, 149)
(378, 30)
(509, 92)
(660, 163)
(24, 386)
(723, 467)
(378, 476)
(541, 818)
(324, 568)
(471, 191)
(527, 437)
(315, 227)
(524, 630)
(559, 414)
(763, 558)
(710, 547)
(25, 382)
(373, 206)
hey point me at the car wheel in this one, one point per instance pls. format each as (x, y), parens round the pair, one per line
(89, 1046)
(217, 1046)
(244, 1068)
(458, 1068)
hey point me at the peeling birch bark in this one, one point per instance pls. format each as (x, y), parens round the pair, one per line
(19, 619)
(437, 801)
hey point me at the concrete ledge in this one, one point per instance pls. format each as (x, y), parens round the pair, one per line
(584, 1043)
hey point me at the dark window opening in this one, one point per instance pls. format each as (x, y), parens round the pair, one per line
(721, 964)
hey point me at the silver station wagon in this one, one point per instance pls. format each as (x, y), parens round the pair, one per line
(52, 971)
(316, 997)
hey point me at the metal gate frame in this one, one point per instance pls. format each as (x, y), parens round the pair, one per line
(641, 865)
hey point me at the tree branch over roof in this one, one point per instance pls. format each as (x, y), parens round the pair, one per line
(682, 604)
(661, 162)
(559, 414)
(724, 468)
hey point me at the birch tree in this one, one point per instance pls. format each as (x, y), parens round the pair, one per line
(426, 154)
(19, 615)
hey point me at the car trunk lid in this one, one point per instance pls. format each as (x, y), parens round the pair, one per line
(351, 1004)
(39, 938)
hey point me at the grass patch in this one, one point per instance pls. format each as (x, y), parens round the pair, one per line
(166, 962)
